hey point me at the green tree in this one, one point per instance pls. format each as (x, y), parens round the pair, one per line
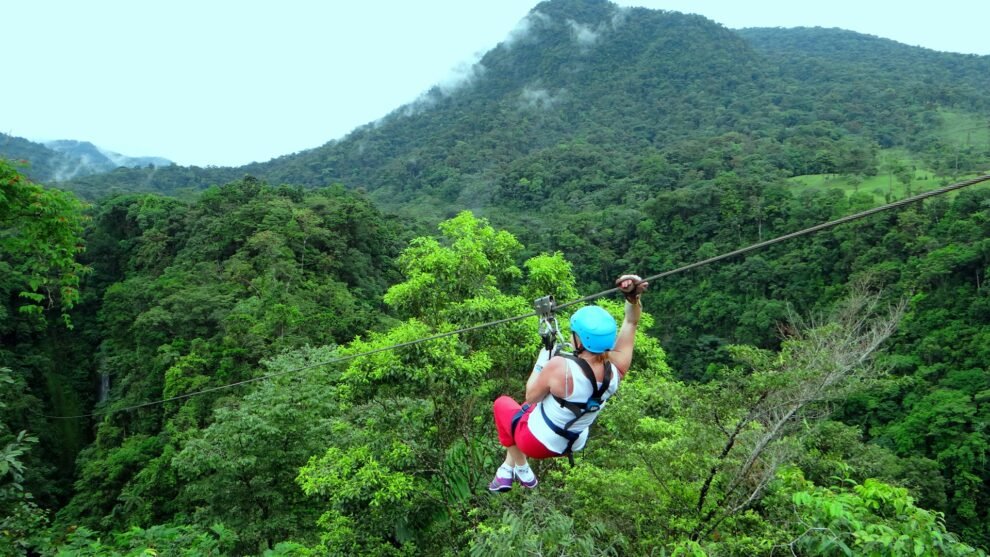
(40, 276)
(39, 244)
(241, 470)
(872, 518)
(22, 521)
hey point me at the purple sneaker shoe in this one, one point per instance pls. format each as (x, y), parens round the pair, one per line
(500, 484)
(503, 480)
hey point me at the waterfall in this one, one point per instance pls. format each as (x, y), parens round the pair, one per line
(104, 386)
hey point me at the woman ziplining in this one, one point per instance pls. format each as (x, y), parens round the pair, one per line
(566, 398)
(565, 392)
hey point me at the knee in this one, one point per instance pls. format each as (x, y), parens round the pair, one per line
(505, 402)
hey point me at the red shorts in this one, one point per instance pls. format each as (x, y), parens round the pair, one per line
(505, 409)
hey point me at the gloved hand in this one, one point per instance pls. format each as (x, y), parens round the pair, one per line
(631, 287)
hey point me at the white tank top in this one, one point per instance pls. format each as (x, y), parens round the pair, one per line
(561, 416)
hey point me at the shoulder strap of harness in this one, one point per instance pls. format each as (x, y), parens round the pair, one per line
(595, 402)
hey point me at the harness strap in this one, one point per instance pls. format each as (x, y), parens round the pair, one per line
(515, 419)
(571, 436)
(594, 403)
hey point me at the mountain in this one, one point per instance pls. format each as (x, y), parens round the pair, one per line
(95, 157)
(585, 72)
(66, 159)
(657, 95)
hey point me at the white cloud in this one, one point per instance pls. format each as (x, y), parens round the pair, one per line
(538, 97)
(462, 76)
(524, 28)
(583, 34)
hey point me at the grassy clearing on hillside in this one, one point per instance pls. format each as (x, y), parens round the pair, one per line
(885, 186)
(963, 128)
(879, 186)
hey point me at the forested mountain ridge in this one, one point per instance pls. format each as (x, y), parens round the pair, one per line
(61, 160)
(627, 84)
(883, 57)
(865, 78)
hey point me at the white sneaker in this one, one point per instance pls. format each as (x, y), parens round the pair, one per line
(525, 476)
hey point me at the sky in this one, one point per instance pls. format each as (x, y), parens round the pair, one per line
(226, 83)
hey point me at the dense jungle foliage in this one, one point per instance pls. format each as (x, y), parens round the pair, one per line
(217, 350)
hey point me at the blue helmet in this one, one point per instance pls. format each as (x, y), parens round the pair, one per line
(595, 327)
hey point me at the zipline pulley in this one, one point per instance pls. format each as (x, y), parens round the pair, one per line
(549, 329)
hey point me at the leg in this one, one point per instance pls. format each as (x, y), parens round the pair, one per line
(516, 465)
(505, 408)
(514, 456)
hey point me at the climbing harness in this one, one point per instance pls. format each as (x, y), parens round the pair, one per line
(552, 305)
(594, 403)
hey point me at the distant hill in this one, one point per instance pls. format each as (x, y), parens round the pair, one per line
(66, 159)
(96, 157)
(647, 98)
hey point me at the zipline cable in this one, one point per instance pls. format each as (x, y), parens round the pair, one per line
(753, 247)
